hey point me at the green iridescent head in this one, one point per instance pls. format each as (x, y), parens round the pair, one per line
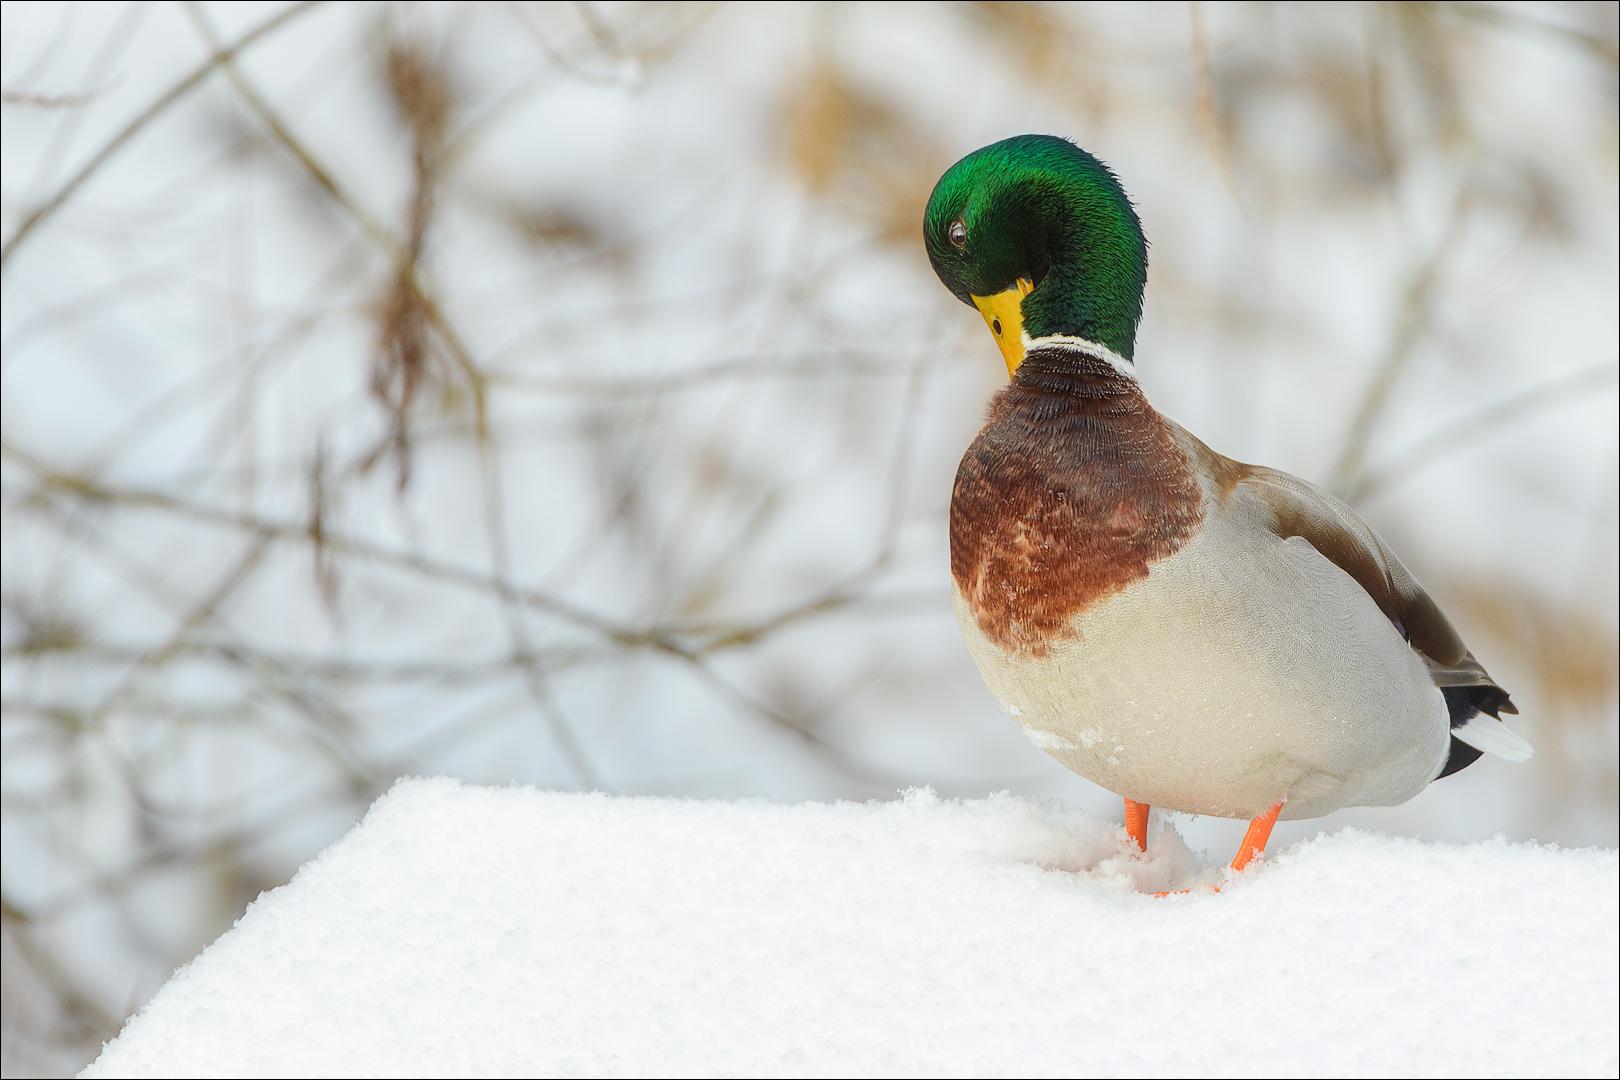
(1039, 236)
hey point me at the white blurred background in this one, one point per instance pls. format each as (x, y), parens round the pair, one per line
(559, 394)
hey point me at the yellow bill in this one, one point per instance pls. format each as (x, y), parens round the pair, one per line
(1004, 314)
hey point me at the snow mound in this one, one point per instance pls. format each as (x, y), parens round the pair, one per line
(461, 930)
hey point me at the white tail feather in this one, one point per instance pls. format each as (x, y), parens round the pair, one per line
(1485, 732)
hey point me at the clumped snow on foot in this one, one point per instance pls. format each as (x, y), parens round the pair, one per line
(463, 930)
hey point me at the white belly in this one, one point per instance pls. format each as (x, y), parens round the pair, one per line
(1217, 685)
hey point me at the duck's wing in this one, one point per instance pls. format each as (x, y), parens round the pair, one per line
(1336, 531)
(1302, 509)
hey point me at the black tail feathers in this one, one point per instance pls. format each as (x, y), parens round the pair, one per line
(1464, 703)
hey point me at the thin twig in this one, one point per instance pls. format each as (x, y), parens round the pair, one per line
(54, 101)
(1411, 324)
(1204, 73)
(224, 55)
(831, 753)
(1600, 48)
(1481, 424)
(535, 679)
(396, 249)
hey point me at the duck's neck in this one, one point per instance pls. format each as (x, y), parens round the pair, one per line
(1078, 369)
(1087, 412)
(1088, 257)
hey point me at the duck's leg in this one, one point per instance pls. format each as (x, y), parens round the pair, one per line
(1136, 822)
(1254, 841)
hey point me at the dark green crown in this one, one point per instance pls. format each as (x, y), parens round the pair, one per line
(1039, 207)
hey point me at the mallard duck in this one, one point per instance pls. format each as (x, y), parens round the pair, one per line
(1185, 630)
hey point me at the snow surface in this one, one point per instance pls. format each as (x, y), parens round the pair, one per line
(463, 930)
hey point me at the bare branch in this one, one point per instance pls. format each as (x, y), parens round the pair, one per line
(225, 55)
(1411, 323)
(1480, 425)
(54, 101)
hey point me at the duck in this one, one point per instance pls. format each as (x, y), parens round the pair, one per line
(1185, 630)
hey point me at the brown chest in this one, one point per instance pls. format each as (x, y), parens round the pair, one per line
(1074, 488)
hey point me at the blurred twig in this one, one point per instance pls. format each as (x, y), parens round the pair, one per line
(535, 678)
(399, 251)
(54, 101)
(1603, 49)
(846, 363)
(221, 55)
(1204, 75)
(686, 639)
(1475, 427)
(1411, 323)
(407, 344)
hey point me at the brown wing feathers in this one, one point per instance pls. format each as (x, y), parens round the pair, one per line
(1338, 532)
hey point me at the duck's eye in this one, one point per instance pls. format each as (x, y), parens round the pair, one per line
(958, 234)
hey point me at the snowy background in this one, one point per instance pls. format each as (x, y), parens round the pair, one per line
(559, 394)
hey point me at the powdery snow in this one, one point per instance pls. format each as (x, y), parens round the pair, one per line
(463, 930)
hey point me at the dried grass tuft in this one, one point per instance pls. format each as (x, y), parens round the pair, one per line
(410, 353)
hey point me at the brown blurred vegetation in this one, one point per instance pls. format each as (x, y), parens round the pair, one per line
(289, 601)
